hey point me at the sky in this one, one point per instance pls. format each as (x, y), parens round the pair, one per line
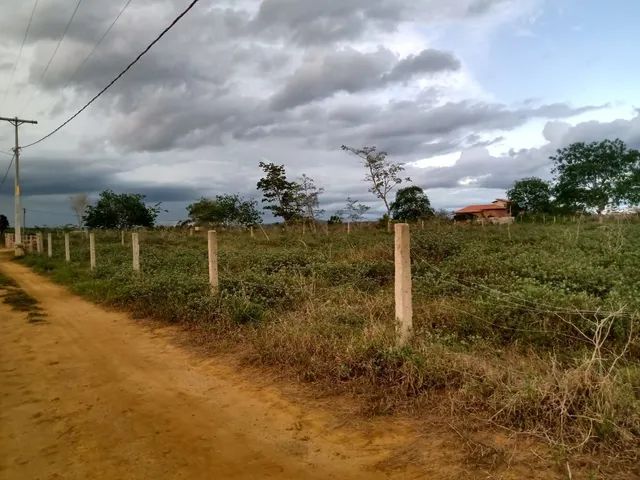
(470, 95)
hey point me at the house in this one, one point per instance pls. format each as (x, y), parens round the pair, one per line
(499, 208)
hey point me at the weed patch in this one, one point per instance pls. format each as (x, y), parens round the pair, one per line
(533, 330)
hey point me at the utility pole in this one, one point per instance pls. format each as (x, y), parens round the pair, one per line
(16, 122)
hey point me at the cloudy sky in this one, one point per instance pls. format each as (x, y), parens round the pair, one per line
(470, 94)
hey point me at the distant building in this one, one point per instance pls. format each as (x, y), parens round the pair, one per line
(499, 208)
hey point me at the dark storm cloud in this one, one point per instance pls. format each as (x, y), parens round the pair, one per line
(330, 21)
(427, 61)
(351, 71)
(404, 128)
(237, 82)
(55, 176)
(321, 76)
(327, 21)
(211, 80)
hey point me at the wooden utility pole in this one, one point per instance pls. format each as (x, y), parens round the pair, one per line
(67, 248)
(213, 260)
(92, 251)
(16, 122)
(135, 246)
(404, 307)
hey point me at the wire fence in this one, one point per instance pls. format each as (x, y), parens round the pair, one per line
(313, 286)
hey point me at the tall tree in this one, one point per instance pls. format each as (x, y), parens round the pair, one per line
(79, 203)
(281, 194)
(530, 195)
(124, 210)
(383, 175)
(411, 204)
(354, 211)
(596, 176)
(227, 210)
(4, 224)
(308, 198)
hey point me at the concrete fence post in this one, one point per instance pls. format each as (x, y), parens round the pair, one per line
(122, 237)
(348, 227)
(39, 246)
(92, 250)
(253, 235)
(49, 245)
(67, 248)
(135, 247)
(213, 260)
(404, 307)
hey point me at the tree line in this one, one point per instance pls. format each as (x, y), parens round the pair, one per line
(588, 177)
(298, 201)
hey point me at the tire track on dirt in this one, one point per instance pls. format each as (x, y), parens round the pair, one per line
(90, 394)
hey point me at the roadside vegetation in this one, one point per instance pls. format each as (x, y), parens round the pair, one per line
(531, 328)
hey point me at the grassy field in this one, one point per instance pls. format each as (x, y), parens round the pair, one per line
(531, 328)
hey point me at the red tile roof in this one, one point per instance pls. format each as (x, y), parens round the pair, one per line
(480, 208)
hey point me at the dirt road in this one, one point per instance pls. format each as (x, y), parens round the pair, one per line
(89, 394)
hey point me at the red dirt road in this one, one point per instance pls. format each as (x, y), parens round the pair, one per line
(88, 394)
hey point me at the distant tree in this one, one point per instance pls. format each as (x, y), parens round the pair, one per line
(597, 175)
(530, 195)
(79, 203)
(247, 213)
(384, 221)
(124, 210)
(308, 198)
(335, 219)
(411, 204)
(282, 195)
(353, 211)
(204, 211)
(629, 187)
(4, 224)
(225, 210)
(383, 175)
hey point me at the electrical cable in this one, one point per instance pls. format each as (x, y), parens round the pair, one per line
(55, 51)
(95, 47)
(13, 157)
(95, 97)
(24, 39)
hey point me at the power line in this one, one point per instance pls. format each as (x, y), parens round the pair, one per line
(95, 47)
(171, 25)
(55, 51)
(24, 39)
(8, 169)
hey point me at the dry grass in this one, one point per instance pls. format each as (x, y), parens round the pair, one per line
(321, 309)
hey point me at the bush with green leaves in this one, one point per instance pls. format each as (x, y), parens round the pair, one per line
(509, 322)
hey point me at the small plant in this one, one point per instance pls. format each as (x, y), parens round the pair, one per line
(537, 334)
